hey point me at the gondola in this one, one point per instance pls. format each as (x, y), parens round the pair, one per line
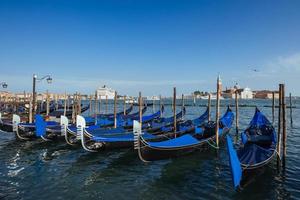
(7, 125)
(92, 123)
(95, 142)
(29, 131)
(201, 137)
(71, 134)
(60, 111)
(257, 149)
(53, 130)
(111, 115)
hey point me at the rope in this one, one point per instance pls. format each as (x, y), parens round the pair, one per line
(212, 145)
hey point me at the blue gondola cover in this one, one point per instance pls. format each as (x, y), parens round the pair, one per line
(236, 169)
(40, 125)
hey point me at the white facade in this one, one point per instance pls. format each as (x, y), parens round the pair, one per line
(247, 93)
(105, 91)
(153, 98)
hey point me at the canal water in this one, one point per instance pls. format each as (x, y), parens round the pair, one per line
(48, 170)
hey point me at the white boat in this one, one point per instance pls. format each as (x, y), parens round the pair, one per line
(212, 97)
(104, 91)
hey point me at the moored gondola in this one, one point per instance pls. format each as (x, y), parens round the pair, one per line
(93, 142)
(257, 149)
(202, 136)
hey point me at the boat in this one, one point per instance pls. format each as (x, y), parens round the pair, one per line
(60, 111)
(7, 125)
(93, 141)
(123, 126)
(257, 149)
(202, 136)
(29, 131)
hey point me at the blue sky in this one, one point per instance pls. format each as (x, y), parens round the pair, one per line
(150, 46)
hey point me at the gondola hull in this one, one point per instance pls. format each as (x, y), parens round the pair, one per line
(152, 154)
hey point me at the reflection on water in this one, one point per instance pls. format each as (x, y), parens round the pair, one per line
(45, 170)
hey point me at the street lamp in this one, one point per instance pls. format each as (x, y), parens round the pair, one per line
(4, 84)
(35, 79)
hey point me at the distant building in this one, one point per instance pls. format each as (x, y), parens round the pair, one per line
(266, 94)
(105, 91)
(245, 93)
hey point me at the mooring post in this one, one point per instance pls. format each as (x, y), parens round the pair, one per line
(56, 102)
(90, 103)
(73, 109)
(291, 109)
(208, 106)
(174, 111)
(124, 105)
(106, 104)
(65, 104)
(115, 110)
(30, 109)
(79, 104)
(284, 136)
(194, 97)
(41, 104)
(236, 112)
(273, 107)
(100, 102)
(47, 103)
(140, 107)
(218, 110)
(182, 106)
(279, 126)
(153, 105)
(68, 104)
(75, 106)
(161, 105)
(96, 104)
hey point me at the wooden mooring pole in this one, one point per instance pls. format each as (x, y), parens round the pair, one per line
(284, 135)
(273, 107)
(124, 104)
(194, 99)
(140, 107)
(106, 104)
(160, 108)
(100, 104)
(209, 106)
(115, 110)
(47, 103)
(174, 110)
(96, 105)
(291, 109)
(153, 105)
(73, 108)
(90, 110)
(65, 104)
(79, 104)
(279, 126)
(218, 110)
(236, 112)
(30, 109)
(182, 106)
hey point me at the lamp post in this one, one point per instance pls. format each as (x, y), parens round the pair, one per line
(35, 79)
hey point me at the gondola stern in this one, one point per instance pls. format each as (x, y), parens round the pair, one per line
(235, 165)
